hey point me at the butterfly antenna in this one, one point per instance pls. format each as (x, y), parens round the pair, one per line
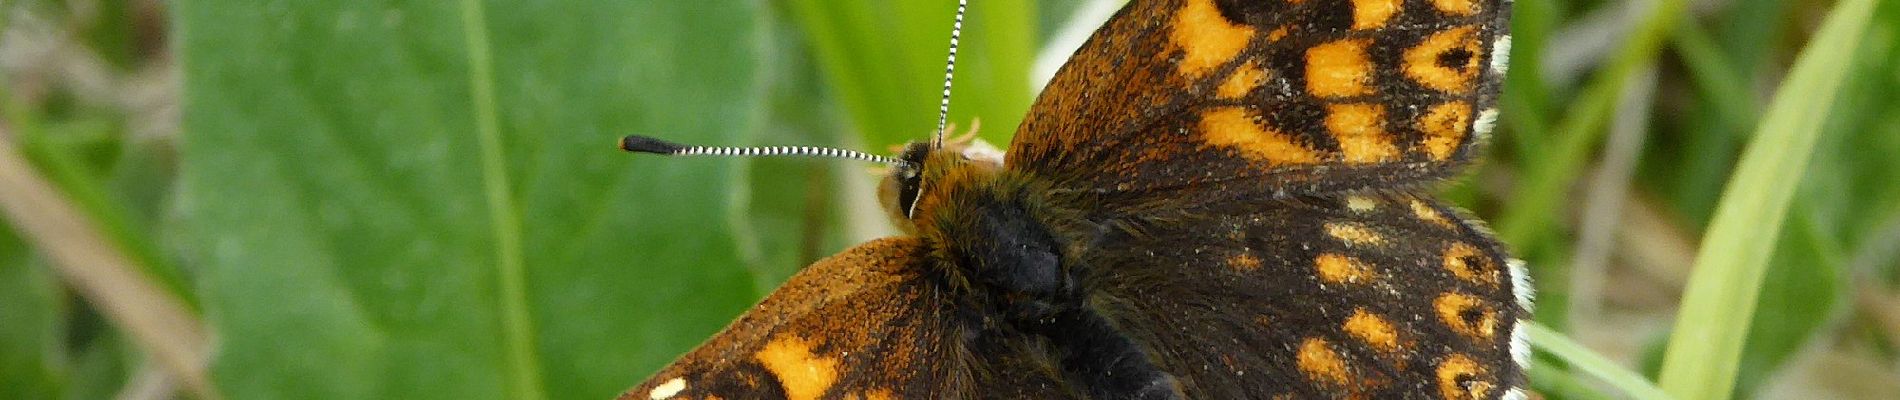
(949, 71)
(643, 144)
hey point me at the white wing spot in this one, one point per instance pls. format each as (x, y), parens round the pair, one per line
(1521, 283)
(1487, 119)
(1520, 345)
(667, 390)
(1514, 394)
(1501, 55)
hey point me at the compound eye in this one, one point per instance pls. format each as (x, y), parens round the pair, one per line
(907, 188)
(910, 176)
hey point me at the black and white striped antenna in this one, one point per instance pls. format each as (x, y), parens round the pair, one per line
(949, 71)
(643, 144)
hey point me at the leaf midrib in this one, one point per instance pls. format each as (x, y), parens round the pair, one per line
(523, 366)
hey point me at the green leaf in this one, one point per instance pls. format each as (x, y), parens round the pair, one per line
(1719, 303)
(419, 199)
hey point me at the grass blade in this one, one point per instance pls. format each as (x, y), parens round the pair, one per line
(1630, 382)
(161, 324)
(1718, 304)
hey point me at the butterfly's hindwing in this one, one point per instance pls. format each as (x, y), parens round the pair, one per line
(1368, 296)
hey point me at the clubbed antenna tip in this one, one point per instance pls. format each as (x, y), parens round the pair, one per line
(643, 144)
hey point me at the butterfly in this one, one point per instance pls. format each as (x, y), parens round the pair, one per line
(1213, 199)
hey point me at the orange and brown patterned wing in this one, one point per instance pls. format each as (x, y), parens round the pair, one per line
(1246, 97)
(1364, 297)
(868, 323)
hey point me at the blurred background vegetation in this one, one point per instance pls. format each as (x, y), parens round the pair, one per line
(417, 199)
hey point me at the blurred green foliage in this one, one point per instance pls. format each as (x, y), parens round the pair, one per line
(340, 163)
(416, 199)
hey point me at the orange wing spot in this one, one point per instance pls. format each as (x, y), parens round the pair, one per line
(1372, 14)
(1338, 68)
(1242, 81)
(1356, 234)
(1337, 268)
(1460, 377)
(1279, 33)
(873, 394)
(1429, 214)
(1444, 127)
(1467, 315)
(1446, 61)
(1373, 329)
(804, 375)
(1360, 130)
(1456, 7)
(1243, 262)
(1207, 39)
(1321, 363)
(1467, 263)
(1232, 127)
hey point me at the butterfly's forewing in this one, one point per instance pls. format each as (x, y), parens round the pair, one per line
(1245, 97)
(860, 317)
(868, 323)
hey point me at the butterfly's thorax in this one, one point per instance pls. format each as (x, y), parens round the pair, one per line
(1010, 249)
(988, 227)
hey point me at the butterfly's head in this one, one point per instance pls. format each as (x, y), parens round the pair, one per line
(911, 186)
(899, 189)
